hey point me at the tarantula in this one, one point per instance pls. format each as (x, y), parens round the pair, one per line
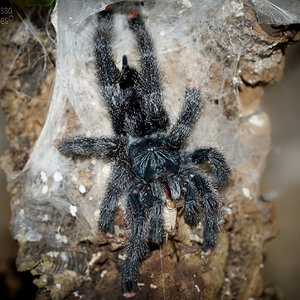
(149, 163)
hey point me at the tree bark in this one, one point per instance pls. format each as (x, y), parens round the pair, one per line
(85, 264)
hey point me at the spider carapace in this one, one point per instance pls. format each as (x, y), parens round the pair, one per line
(147, 154)
(151, 160)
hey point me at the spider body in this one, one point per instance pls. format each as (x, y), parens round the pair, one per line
(151, 160)
(149, 163)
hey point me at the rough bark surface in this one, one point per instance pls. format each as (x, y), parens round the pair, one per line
(88, 265)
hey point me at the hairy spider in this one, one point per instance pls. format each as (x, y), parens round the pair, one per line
(149, 162)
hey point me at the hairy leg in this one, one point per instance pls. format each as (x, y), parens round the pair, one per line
(137, 245)
(135, 115)
(102, 147)
(174, 187)
(192, 208)
(156, 216)
(188, 116)
(217, 161)
(211, 210)
(107, 72)
(150, 79)
(117, 186)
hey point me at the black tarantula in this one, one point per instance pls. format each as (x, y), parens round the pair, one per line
(149, 162)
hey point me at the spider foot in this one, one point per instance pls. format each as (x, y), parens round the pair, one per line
(109, 7)
(106, 225)
(129, 278)
(208, 245)
(133, 14)
(108, 230)
(210, 233)
(208, 252)
(129, 295)
(107, 12)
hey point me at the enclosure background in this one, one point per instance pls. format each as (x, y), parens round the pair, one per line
(280, 184)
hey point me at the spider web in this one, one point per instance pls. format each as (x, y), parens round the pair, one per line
(196, 42)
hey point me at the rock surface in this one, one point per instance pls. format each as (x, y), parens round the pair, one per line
(54, 214)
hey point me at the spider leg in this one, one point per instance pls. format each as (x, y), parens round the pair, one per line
(102, 147)
(192, 208)
(156, 215)
(107, 72)
(137, 245)
(150, 79)
(188, 116)
(211, 210)
(135, 115)
(148, 199)
(117, 186)
(217, 161)
(174, 187)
